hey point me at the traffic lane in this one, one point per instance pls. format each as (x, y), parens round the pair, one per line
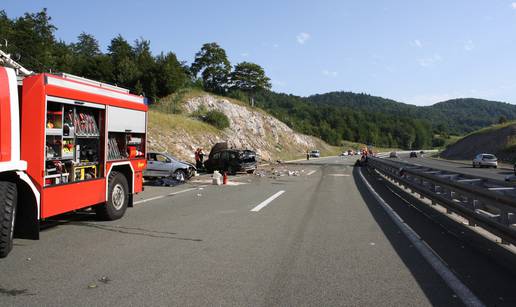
(208, 248)
(485, 267)
(496, 174)
(77, 252)
(338, 255)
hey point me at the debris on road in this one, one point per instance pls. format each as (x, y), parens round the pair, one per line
(166, 182)
(278, 171)
(104, 279)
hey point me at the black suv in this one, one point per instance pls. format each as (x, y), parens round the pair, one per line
(231, 161)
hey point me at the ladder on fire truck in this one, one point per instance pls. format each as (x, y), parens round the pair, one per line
(21, 72)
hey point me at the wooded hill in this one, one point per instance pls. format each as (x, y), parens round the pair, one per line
(456, 116)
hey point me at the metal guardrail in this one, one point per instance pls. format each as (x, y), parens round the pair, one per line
(488, 203)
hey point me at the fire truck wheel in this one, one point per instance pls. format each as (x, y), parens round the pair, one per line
(118, 198)
(8, 199)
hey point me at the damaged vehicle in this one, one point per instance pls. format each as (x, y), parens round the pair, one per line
(231, 160)
(163, 165)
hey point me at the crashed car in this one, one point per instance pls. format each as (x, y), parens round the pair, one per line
(231, 161)
(163, 165)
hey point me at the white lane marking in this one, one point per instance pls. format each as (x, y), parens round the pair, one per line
(463, 292)
(163, 196)
(311, 172)
(501, 189)
(267, 201)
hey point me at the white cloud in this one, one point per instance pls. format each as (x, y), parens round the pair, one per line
(303, 37)
(429, 61)
(468, 46)
(330, 73)
(417, 43)
(513, 5)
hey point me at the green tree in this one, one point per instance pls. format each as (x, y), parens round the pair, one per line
(249, 78)
(147, 68)
(32, 37)
(172, 74)
(125, 71)
(211, 61)
(502, 119)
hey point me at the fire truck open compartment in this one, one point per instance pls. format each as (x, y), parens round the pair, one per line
(73, 142)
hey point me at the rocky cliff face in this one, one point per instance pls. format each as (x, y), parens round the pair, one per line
(249, 128)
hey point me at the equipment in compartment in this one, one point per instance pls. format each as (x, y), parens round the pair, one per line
(56, 172)
(68, 125)
(116, 148)
(85, 124)
(84, 171)
(68, 148)
(124, 145)
(53, 147)
(72, 144)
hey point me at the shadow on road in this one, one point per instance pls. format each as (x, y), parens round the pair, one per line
(430, 283)
(482, 265)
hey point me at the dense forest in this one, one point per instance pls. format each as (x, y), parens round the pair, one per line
(336, 123)
(456, 116)
(334, 117)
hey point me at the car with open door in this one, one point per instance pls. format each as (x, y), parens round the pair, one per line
(232, 161)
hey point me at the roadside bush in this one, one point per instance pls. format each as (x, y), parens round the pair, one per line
(217, 119)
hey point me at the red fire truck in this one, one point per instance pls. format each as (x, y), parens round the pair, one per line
(66, 143)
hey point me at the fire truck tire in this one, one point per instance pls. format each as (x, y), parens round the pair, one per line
(118, 198)
(8, 199)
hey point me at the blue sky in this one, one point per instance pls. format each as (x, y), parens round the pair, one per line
(418, 52)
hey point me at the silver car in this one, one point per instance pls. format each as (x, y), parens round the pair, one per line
(162, 165)
(487, 160)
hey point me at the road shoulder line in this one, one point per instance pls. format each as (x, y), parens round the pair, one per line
(463, 292)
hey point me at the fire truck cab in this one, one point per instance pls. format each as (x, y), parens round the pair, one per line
(66, 143)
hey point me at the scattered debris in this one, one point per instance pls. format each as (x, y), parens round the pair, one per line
(92, 286)
(28, 259)
(168, 182)
(199, 194)
(104, 279)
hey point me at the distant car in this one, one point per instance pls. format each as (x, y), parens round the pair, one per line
(344, 154)
(413, 154)
(487, 160)
(232, 161)
(315, 153)
(162, 165)
(393, 154)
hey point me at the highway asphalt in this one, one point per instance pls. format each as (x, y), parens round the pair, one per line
(317, 239)
(460, 167)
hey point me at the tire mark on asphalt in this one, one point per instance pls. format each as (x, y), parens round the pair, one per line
(288, 260)
(137, 232)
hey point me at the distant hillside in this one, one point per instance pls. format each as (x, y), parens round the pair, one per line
(497, 139)
(335, 123)
(457, 116)
(175, 128)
